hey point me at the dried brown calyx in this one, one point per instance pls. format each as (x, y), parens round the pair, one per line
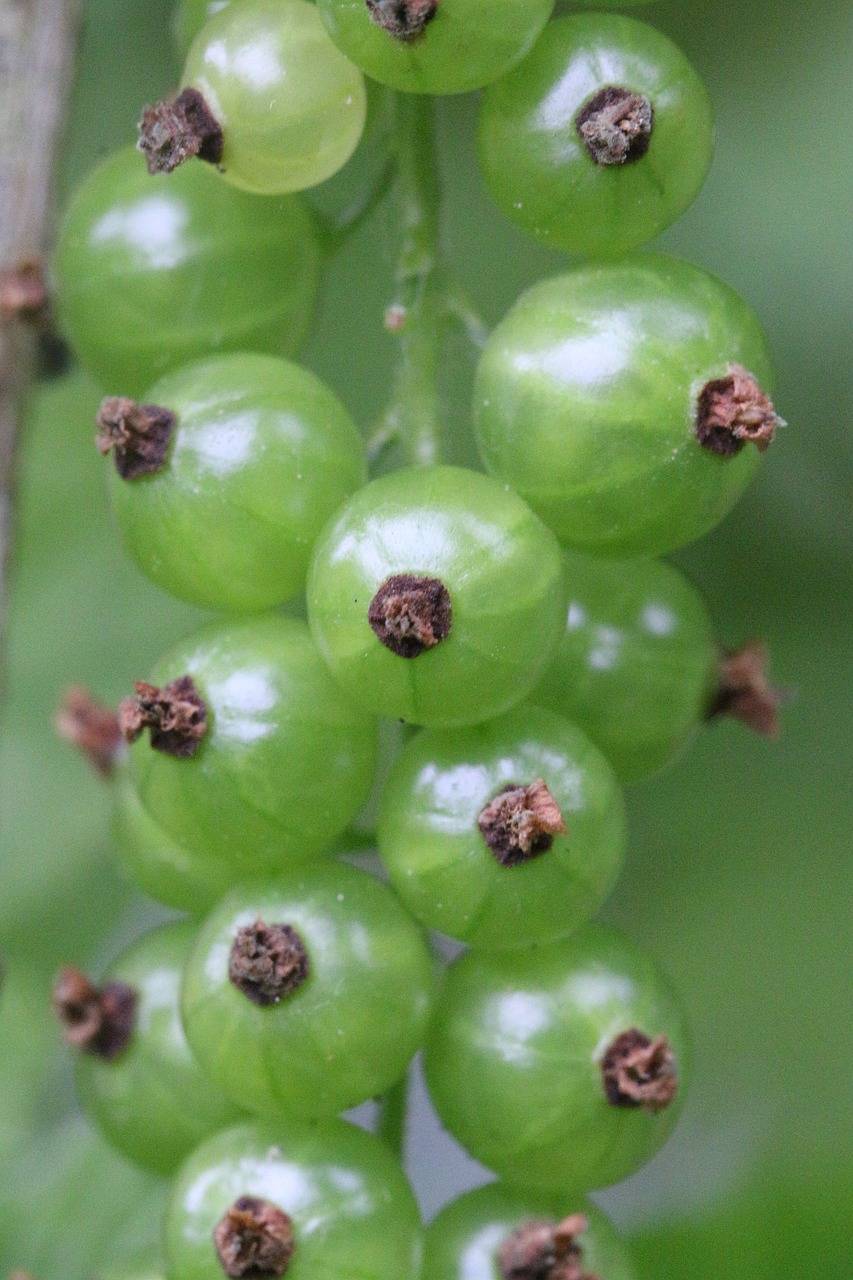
(254, 1240)
(95, 1020)
(732, 411)
(171, 132)
(639, 1072)
(411, 614)
(405, 19)
(745, 692)
(521, 822)
(545, 1251)
(138, 434)
(90, 727)
(267, 962)
(175, 715)
(616, 126)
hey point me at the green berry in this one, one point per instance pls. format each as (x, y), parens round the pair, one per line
(435, 46)
(637, 666)
(308, 994)
(505, 834)
(335, 1203)
(622, 402)
(495, 1233)
(281, 762)
(559, 1067)
(188, 18)
(600, 138)
(435, 596)
(289, 108)
(153, 273)
(259, 455)
(143, 1088)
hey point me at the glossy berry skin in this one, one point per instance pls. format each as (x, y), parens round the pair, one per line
(153, 1102)
(465, 45)
(513, 1057)
(286, 763)
(189, 16)
(155, 272)
(439, 861)
(636, 668)
(348, 1031)
(262, 454)
(463, 1242)
(500, 565)
(352, 1211)
(586, 399)
(290, 106)
(537, 166)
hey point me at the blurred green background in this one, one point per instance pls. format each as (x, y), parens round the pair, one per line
(740, 876)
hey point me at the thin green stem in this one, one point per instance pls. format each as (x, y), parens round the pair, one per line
(418, 314)
(391, 1128)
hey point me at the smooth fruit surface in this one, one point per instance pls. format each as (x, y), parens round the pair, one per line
(352, 1211)
(513, 1060)
(540, 171)
(286, 763)
(348, 1031)
(262, 454)
(464, 1241)
(290, 106)
(637, 664)
(586, 399)
(439, 861)
(153, 1101)
(464, 45)
(188, 18)
(155, 272)
(502, 570)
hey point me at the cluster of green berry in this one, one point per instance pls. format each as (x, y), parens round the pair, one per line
(514, 619)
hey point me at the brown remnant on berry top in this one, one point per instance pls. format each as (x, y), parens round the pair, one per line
(175, 715)
(90, 727)
(545, 1251)
(267, 962)
(95, 1020)
(254, 1240)
(171, 132)
(411, 614)
(732, 411)
(744, 691)
(615, 126)
(521, 822)
(139, 435)
(639, 1072)
(404, 19)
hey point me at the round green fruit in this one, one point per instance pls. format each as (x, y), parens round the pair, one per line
(600, 138)
(637, 667)
(154, 272)
(504, 834)
(493, 1233)
(436, 596)
(561, 1068)
(308, 994)
(290, 107)
(152, 1100)
(435, 46)
(260, 454)
(276, 761)
(333, 1203)
(626, 403)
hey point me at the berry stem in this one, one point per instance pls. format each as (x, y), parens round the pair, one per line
(418, 313)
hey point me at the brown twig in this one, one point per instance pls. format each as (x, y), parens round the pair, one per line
(37, 39)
